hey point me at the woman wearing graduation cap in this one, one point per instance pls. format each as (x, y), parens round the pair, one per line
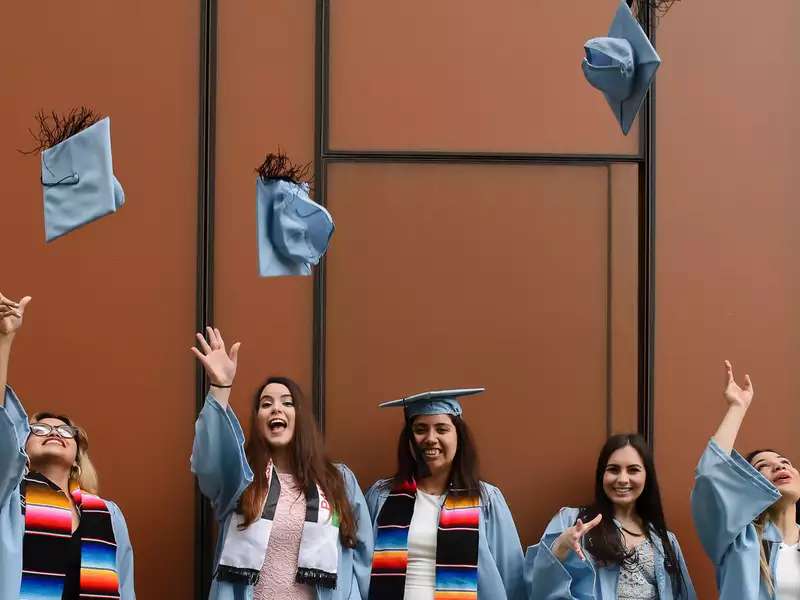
(745, 510)
(440, 532)
(292, 524)
(58, 540)
(619, 547)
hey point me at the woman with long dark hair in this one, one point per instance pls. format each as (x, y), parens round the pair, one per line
(618, 547)
(745, 510)
(293, 525)
(58, 539)
(441, 532)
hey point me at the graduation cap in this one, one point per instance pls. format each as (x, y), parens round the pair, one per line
(293, 230)
(78, 180)
(622, 65)
(438, 402)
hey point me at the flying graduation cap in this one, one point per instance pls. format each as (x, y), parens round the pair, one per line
(622, 65)
(77, 174)
(293, 230)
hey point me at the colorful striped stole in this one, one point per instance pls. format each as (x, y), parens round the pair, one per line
(456, 546)
(45, 546)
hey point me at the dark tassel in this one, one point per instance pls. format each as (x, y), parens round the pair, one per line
(316, 577)
(236, 575)
(55, 128)
(278, 166)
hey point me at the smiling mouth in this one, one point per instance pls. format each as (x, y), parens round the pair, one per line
(782, 479)
(277, 425)
(54, 440)
(431, 452)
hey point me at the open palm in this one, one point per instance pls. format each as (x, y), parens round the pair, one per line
(734, 394)
(220, 365)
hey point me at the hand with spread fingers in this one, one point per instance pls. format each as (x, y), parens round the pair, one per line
(734, 394)
(570, 539)
(220, 364)
(11, 314)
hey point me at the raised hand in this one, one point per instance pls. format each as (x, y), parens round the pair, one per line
(570, 539)
(219, 364)
(11, 314)
(735, 395)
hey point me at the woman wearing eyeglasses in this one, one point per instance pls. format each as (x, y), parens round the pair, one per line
(58, 540)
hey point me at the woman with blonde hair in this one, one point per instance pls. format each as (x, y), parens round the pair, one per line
(745, 510)
(60, 541)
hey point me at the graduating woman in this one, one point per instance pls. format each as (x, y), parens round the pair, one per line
(58, 539)
(441, 532)
(292, 524)
(618, 548)
(745, 510)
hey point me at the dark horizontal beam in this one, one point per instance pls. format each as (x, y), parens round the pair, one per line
(477, 157)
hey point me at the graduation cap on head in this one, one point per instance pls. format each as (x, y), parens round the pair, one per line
(293, 230)
(438, 402)
(622, 65)
(77, 174)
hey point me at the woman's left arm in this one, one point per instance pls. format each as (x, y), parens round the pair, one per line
(504, 544)
(688, 587)
(124, 553)
(362, 553)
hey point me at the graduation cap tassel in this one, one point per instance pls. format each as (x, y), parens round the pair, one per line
(55, 128)
(278, 166)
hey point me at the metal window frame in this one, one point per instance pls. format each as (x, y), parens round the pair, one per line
(325, 155)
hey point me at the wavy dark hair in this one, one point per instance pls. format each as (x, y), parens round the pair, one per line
(464, 472)
(606, 542)
(309, 463)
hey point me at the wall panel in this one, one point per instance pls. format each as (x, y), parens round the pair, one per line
(113, 304)
(727, 275)
(468, 275)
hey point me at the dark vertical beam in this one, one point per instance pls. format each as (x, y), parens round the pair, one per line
(609, 301)
(205, 260)
(647, 249)
(320, 189)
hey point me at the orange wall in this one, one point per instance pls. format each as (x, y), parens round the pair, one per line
(114, 304)
(727, 245)
(105, 336)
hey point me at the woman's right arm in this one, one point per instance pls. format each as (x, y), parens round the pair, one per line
(218, 457)
(13, 420)
(728, 492)
(555, 568)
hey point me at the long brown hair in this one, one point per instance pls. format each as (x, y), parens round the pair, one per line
(83, 471)
(309, 463)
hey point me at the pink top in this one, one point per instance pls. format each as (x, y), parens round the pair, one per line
(280, 565)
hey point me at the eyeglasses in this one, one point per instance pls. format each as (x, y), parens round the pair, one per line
(44, 429)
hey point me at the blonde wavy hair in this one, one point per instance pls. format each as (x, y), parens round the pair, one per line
(763, 560)
(82, 472)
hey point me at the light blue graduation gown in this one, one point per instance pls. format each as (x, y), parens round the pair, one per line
(500, 555)
(548, 578)
(219, 462)
(728, 494)
(14, 432)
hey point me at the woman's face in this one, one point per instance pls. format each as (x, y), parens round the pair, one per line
(276, 415)
(437, 439)
(624, 477)
(779, 470)
(52, 448)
